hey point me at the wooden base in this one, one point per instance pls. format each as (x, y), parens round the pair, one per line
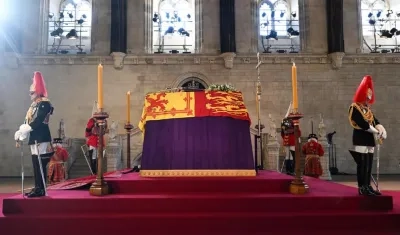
(298, 187)
(99, 188)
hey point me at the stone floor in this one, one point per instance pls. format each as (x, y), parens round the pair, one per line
(387, 182)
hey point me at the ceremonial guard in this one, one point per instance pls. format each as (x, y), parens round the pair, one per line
(92, 140)
(313, 151)
(36, 126)
(56, 171)
(366, 131)
(289, 142)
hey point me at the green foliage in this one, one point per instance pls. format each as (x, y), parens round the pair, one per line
(221, 87)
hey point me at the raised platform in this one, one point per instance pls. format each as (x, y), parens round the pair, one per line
(246, 205)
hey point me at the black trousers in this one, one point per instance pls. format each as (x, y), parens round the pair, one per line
(364, 163)
(37, 174)
(290, 164)
(93, 162)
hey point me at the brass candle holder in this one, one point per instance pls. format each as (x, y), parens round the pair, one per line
(128, 127)
(297, 186)
(100, 186)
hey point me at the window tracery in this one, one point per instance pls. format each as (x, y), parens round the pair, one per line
(278, 25)
(69, 27)
(174, 28)
(380, 21)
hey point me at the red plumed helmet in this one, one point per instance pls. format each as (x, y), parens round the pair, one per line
(365, 89)
(38, 86)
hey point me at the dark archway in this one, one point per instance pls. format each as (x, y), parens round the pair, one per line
(193, 83)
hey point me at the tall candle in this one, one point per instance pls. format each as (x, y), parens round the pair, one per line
(100, 87)
(294, 88)
(128, 107)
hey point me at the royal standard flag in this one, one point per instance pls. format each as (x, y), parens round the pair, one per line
(164, 105)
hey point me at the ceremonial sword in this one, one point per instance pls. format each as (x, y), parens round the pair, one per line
(41, 168)
(378, 144)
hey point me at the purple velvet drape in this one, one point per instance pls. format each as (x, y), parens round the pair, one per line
(197, 143)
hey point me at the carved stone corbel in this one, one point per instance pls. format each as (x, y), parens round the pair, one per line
(118, 58)
(229, 57)
(336, 59)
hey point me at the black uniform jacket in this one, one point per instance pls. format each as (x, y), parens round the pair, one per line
(40, 123)
(361, 137)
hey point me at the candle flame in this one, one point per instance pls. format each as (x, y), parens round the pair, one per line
(294, 64)
(128, 93)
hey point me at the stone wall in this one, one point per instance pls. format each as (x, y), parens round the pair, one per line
(326, 83)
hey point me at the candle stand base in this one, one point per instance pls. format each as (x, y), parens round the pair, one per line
(298, 187)
(99, 188)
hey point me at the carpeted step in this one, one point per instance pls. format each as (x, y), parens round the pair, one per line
(207, 185)
(74, 202)
(205, 223)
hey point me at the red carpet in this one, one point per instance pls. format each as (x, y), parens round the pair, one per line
(200, 206)
(85, 181)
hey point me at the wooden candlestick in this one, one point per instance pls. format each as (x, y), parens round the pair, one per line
(297, 186)
(100, 186)
(128, 127)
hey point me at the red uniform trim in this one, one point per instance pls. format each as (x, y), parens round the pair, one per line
(289, 139)
(313, 148)
(92, 138)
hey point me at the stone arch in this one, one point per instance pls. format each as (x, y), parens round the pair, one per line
(186, 77)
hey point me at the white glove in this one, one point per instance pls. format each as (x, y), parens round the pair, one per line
(382, 131)
(25, 128)
(373, 130)
(23, 132)
(17, 135)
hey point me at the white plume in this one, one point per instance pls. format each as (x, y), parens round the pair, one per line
(289, 109)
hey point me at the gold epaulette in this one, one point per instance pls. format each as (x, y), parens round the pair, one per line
(368, 116)
(44, 99)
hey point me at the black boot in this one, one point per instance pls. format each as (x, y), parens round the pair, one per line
(40, 191)
(93, 162)
(293, 162)
(288, 166)
(94, 166)
(364, 190)
(370, 162)
(35, 171)
(136, 169)
(358, 158)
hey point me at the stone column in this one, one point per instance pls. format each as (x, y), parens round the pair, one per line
(136, 16)
(352, 30)
(326, 175)
(114, 153)
(273, 154)
(244, 27)
(265, 137)
(114, 148)
(34, 25)
(101, 27)
(314, 18)
(210, 27)
(272, 162)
